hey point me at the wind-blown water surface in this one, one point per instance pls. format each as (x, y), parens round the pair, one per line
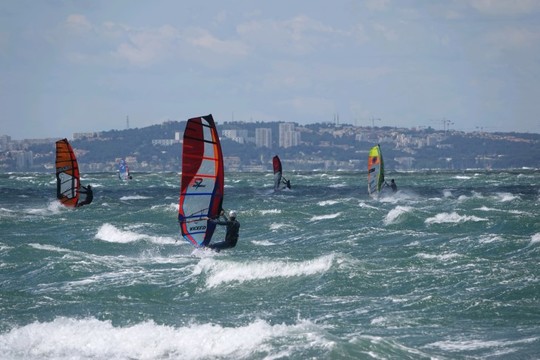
(446, 268)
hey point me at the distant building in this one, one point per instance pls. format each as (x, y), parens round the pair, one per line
(165, 142)
(263, 137)
(240, 136)
(5, 141)
(85, 135)
(24, 160)
(288, 136)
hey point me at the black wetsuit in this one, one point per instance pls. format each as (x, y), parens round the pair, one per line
(89, 196)
(231, 237)
(393, 186)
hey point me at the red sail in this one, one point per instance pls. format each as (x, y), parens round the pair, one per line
(202, 182)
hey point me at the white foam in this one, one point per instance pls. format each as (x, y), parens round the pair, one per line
(134, 197)
(110, 233)
(222, 272)
(271, 211)
(504, 197)
(394, 214)
(170, 207)
(279, 226)
(263, 243)
(65, 338)
(469, 345)
(441, 257)
(327, 202)
(535, 238)
(453, 217)
(49, 248)
(53, 208)
(462, 177)
(325, 217)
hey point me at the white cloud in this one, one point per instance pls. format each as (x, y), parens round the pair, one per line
(148, 46)
(78, 22)
(300, 34)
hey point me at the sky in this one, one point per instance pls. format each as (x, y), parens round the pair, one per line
(79, 66)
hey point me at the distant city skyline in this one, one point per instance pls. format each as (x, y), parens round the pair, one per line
(467, 65)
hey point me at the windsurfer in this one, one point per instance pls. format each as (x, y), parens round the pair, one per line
(392, 185)
(287, 183)
(233, 228)
(89, 195)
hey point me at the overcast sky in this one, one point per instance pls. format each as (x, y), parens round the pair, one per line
(76, 66)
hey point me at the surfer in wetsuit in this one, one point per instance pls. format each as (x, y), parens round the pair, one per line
(287, 183)
(393, 185)
(89, 195)
(233, 228)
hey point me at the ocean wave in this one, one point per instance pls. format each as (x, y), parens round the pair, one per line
(270, 211)
(134, 197)
(110, 233)
(222, 272)
(90, 338)
(452, 218)
(325, 217)
(394, 214)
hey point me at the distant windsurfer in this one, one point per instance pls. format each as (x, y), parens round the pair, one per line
(287, 183)
(89, 195)
(392, 185)
(233, 228)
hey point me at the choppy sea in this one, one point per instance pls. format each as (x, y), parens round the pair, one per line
(446, 268)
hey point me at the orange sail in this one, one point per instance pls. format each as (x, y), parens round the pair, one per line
(67, 174)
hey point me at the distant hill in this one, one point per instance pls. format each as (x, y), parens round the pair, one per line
(322, 146)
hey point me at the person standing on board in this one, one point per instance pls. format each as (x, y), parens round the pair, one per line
(393, 185)
(233, 228)
(286, 182)
(89, 195)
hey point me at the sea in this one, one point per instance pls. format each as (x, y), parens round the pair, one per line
(445, 268)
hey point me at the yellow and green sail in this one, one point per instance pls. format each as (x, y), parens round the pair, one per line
(375, 170)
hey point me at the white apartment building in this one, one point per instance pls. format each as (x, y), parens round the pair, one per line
(263, 137)
(288, 136)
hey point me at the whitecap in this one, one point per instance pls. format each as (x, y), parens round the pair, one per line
(263, 243)
(394, 214)
(504, 197)
(134, 197)
(90, 338)
(440, 257)
(453, 217)
(327, 202)
(325, 217)
(222, 272)
(110, 233)
(271, 211)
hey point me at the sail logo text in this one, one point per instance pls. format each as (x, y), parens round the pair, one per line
(197, 183)
(195, 228)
